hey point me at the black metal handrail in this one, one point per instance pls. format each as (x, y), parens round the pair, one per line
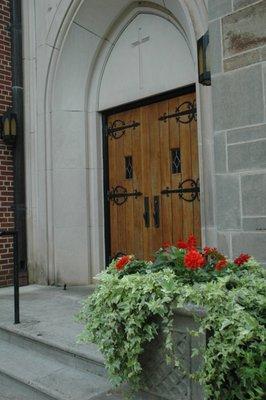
(14, 233)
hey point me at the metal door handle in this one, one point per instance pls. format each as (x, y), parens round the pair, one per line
(156, 213)
(146, 214)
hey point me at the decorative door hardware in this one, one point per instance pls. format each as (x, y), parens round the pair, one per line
(129, 151)
(176, 161)
(185, 113)
(129, 167)
(119, 195)
(118, 128)
(193, 190)
(156, 214)
(146, 214)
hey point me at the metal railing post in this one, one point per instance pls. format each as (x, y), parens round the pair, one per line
(16, 279)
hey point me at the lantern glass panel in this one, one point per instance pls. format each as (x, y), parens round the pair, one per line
(7, 127)
(13, 126)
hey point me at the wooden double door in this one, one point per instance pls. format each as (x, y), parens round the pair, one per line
(153, 176)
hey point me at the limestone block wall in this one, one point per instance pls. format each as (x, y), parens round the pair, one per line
(238, 53)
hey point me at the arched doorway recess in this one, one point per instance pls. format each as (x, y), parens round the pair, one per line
(74, 97)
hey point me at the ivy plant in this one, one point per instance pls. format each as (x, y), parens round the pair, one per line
(135, 299)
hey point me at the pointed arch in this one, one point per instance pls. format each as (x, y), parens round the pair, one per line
(70, 127)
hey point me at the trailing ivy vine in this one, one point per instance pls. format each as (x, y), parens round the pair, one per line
(136, 298)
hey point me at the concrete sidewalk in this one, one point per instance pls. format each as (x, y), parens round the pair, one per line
(48, 313)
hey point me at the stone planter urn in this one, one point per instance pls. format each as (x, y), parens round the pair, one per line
(166, 381)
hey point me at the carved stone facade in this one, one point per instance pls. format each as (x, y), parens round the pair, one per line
(67, 49)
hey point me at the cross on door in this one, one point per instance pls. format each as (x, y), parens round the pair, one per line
(139, 43)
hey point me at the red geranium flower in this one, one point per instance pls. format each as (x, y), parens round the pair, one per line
(189, 245)
(241, 259)
(209, 250)
(192, 242)
(181, 244)
(194, 260)
(122, 261)
(221, 264)
(165, 245)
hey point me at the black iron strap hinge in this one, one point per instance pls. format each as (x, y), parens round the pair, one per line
(193, 190)
(119, 195)
(118, 128)
(184, 114)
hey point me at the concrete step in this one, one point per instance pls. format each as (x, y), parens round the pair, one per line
(29, 374)
(26, 374)
(40, 358)
(91, 361)
(34, 369)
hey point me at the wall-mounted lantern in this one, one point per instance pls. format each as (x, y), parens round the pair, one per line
(9, 128)
(204, 60)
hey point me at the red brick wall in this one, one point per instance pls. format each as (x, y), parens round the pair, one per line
(6, 158)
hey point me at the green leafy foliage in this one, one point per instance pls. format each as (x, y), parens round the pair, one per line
(122, 315)
(130, 306)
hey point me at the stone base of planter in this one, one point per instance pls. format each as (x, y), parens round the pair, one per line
(166, 381)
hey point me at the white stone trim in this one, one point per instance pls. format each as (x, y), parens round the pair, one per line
(39, 108)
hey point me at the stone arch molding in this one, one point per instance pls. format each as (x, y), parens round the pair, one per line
(72, 126)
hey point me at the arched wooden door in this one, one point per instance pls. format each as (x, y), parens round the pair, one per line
(152, 192)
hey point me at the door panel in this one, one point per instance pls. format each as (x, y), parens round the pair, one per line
(125, 216)
(195, 176)
(165, 163)
(153, 176)
(185, 148)
(175, 178)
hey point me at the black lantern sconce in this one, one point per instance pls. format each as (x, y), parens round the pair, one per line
(204, 60)
(9, 128)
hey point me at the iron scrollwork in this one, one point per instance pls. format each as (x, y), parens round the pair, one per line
(188, 187)
(185, 113)
(118, 128)
(119, 195)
